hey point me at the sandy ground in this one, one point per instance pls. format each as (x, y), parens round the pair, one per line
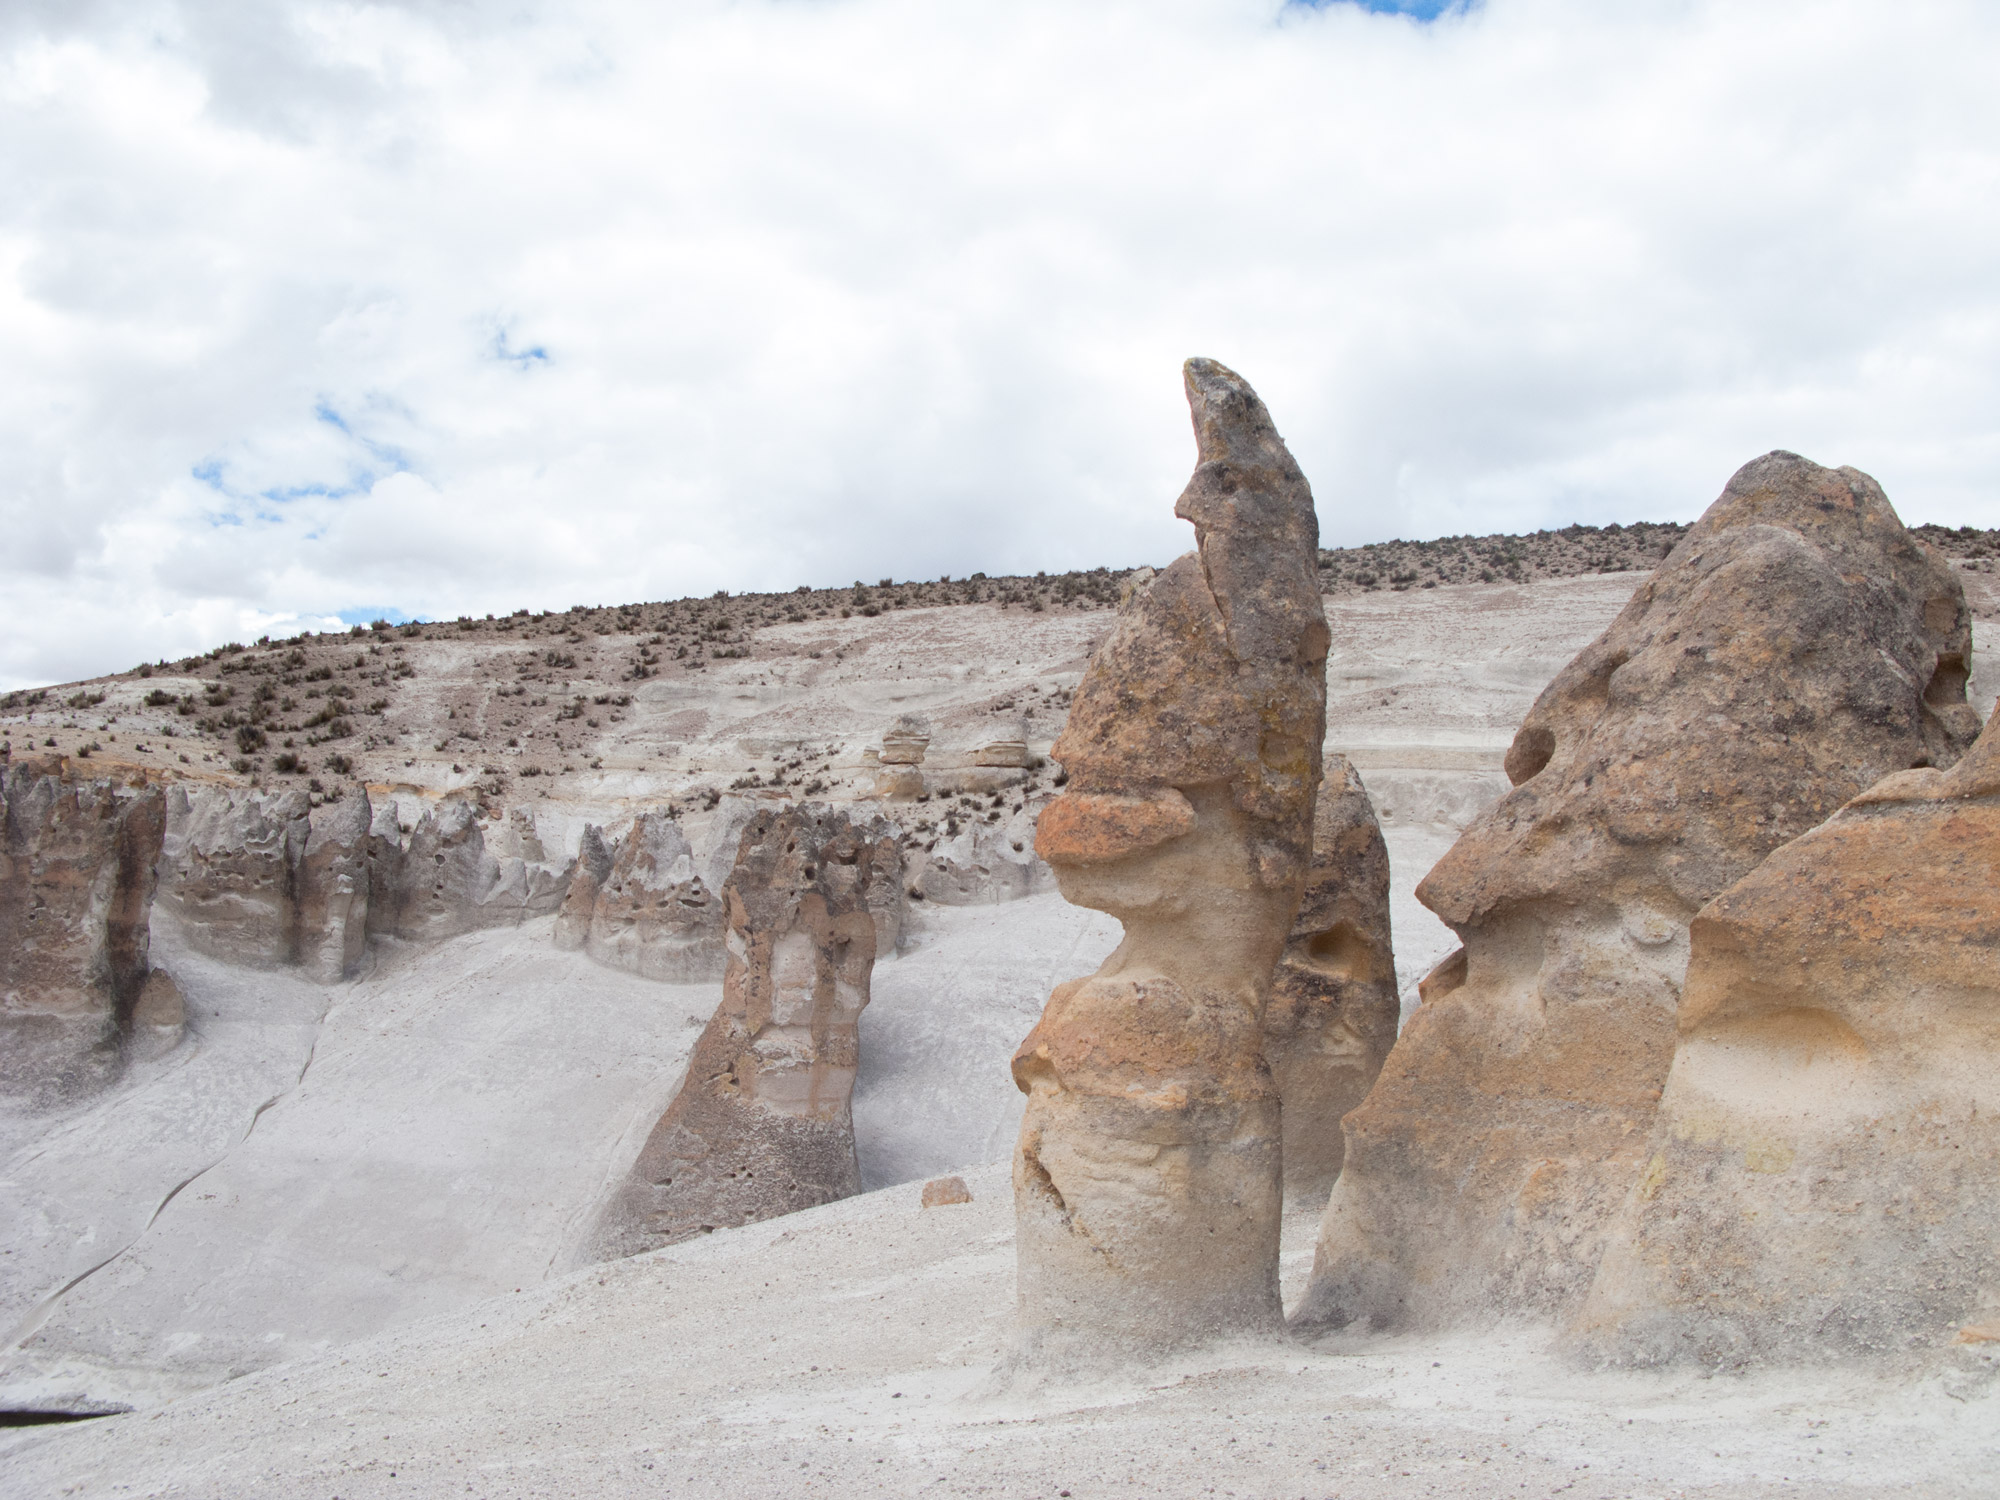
(848, 1351)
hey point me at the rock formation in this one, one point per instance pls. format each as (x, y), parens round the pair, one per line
(1822, 1178)
(594, 859)
(903, 745)
(439, 878)
(1334, 1007)
(77, 861)
(1147, 1180)
(265, 879)
(654, 915)
(983, 863)
(1008, 749)
(761, 1125)
(1796, 646)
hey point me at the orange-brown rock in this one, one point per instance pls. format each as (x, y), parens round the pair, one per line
(942, 1192)
(1823, 1180)
(762, 1124)
(1147, 1178)
(1333, 1010)
(77, 861)
(1796, 646)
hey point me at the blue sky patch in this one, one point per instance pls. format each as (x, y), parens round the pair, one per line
(373, 613)
(1420, 10)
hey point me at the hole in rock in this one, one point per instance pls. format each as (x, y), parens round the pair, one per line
(1947, 684)
(1340, 952)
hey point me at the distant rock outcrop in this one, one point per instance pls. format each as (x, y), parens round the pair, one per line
(438, 878)
(266, 879)
(1147, 1180)
(1797, 645)
(1824, 1177)
(1334, 1006)
(77, 862)
(983, 863)
(654, 915)
(761, 1125)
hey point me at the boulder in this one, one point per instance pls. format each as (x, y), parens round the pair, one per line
(439, 878)
(1334, 1007)
(1147, 1179)
(905, 740)
(761, 1125)
(1823, 1179)
(77, 873)
(1796, 646)
(1008, 749)
(266, 880)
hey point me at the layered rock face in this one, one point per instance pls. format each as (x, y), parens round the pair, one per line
(1147, 1181)
(1796, 646)
(762, 1124)
(903, 745)
(1822, 1178)
(440, 878)
(77, 861)
(267, 880)
(1333, 1010)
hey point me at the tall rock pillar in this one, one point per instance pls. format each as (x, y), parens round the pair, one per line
(763, 1124)
(1147, 1178)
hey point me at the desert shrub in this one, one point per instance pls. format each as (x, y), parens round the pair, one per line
(340, 765)
(249, 737)
(158, 698)
(287, 762)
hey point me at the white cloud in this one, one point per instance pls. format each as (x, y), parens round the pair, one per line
(534, 304)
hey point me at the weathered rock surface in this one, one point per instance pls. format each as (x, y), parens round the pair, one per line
(655, 915)
(905, 741)
(1147, 1178)
(267, 880)
(1822, 1179)
(77, 861)
(439, 878)
(982, 863)
(1334, 1007)
(1796, 646)
(762, 1124)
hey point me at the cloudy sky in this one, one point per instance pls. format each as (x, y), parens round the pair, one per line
(330, 310)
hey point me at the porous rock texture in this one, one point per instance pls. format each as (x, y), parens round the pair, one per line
(653, 914)
(1334, 1007)
(266, 879)
(439, 877)
(1822, 1179)
(77, 859)
(1796, 646)
(1147, 1178)
(762, 1124)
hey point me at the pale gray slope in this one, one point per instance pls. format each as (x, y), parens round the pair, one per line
(843, 1351)
(464, 1108)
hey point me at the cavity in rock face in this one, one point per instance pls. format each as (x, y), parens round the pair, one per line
(1794, 648)
(1333, 1010)
(761, 1125)
(77, 862)
(1147, 1181)
(1822, 1181)
(266, 879)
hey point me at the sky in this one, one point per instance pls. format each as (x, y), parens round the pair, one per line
(317, 312)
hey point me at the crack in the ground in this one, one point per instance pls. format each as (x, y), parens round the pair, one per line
(39, 1315)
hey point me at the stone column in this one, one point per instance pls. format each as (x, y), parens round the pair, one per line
(1147, 1178)
(762, 1124)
